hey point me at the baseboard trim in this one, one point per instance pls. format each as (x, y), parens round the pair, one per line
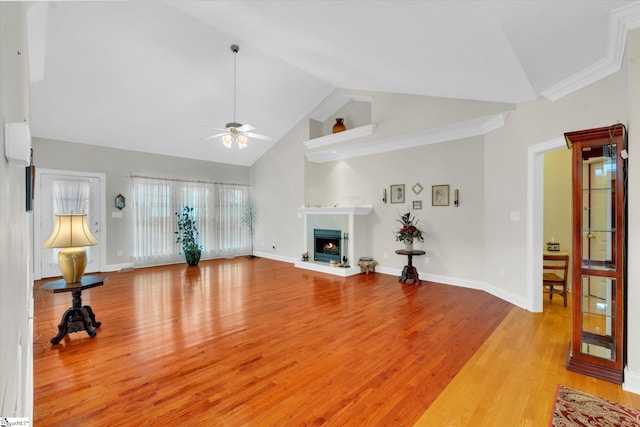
(631, 381)
(118, 267)
(445, 280)
(275, 257)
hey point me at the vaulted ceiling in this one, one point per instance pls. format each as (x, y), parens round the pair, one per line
(158, 76)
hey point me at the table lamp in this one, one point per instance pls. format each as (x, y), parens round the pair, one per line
(71, 232)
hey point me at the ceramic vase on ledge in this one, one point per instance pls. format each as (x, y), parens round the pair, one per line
(339, 126)
(408, 246)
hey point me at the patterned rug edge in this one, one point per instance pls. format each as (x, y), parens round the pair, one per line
(574, 408)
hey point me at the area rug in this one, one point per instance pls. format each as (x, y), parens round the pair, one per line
(575, 408)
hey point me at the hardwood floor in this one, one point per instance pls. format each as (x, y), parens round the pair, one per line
(511, 380)
(259, 342)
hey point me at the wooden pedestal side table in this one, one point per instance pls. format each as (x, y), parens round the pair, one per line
(409, 272)
(77, 317)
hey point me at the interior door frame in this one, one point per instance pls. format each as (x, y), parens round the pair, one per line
(535, 219)
(37, 216)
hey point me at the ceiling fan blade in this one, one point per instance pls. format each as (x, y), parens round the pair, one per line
(213, 136)
(258, 136)
(245, 128)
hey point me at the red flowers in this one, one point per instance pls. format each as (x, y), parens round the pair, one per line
(408, 232)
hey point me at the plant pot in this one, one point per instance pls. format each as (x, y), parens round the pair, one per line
(192, 256)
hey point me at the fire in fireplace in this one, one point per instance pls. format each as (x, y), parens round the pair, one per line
(326, 245)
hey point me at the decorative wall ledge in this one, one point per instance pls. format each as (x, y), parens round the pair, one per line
(348, 210)
(434, 135)
(339, 137)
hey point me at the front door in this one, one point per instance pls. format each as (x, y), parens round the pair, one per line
(62, 192)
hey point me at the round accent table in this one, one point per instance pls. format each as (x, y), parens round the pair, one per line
(77, 317)
(409, 272)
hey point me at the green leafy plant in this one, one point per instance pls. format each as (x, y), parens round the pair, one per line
(187, 235)
(249, 218)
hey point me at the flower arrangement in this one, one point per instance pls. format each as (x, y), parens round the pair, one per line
(409, 230)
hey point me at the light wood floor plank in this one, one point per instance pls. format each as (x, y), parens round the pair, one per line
(511, 380)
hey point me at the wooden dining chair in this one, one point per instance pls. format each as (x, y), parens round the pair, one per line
(554, 275)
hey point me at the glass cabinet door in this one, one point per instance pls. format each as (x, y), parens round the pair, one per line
(598, 250)
(598, 207)
(598, 317)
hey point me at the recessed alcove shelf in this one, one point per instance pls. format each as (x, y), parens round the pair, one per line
(353, 221)
(355, 111)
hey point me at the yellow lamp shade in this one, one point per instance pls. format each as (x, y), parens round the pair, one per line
(72, 233)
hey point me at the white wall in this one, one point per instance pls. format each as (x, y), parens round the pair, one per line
(476, 244)
(280, 191)
(277, 186)
(453, 236)
(632, 375)
(118, 166)
(16, 295)
(600, 104)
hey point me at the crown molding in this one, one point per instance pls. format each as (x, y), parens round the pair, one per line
(621, 21)
(448, 132)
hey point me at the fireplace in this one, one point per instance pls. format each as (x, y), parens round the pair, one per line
(351, 221)
(326, 244)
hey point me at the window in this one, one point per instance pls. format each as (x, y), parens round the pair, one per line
(217, 208)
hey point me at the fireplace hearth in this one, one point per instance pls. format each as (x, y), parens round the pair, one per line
(327, 245)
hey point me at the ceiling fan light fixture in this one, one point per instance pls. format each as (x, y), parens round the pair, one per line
(242, 141)
(235, 132)
(232, 127)
(227, 140)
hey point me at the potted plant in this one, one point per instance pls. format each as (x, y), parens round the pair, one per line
(188, 236)
(249, 218)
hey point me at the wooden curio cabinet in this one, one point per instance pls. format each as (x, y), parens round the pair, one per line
(599, 255)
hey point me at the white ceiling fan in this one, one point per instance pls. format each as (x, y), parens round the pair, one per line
(234, 131)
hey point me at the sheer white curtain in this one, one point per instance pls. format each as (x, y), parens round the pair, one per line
(70, 196)
(233, 236)
(217, 208)
(153, 222)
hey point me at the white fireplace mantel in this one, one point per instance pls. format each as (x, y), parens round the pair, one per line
(355, 219)
(349, 210)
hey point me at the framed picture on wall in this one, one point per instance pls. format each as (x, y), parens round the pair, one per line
(397, 193)
(30, 181)
(417, 204)
(440, 195)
